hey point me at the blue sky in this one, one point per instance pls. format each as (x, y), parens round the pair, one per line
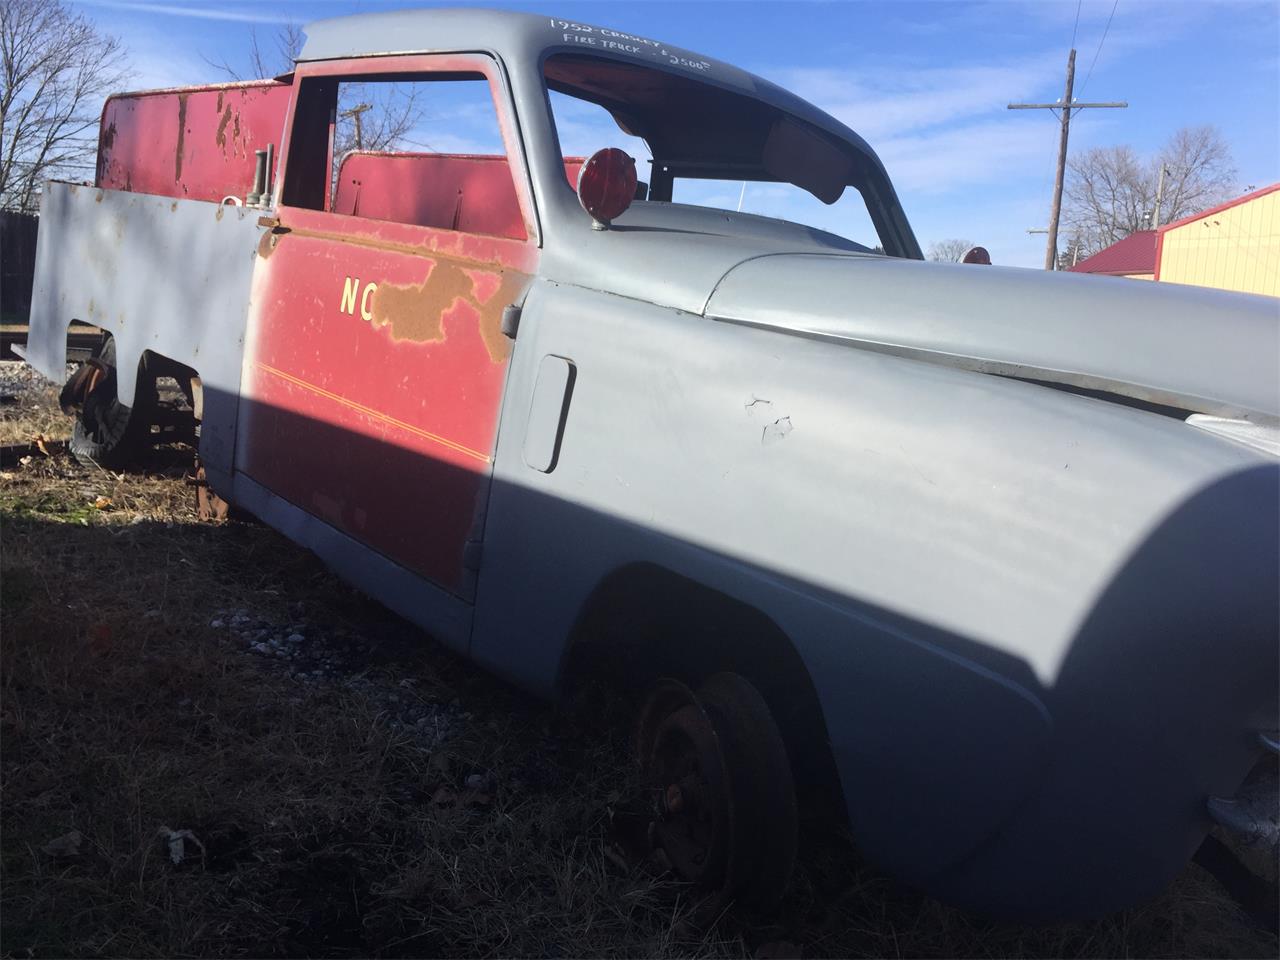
(926, 83)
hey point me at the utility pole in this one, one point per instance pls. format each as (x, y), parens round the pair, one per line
(1155, 217)
(355, 113)
(1066, 105)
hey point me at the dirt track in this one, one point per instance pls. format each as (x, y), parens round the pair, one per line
(354, 789)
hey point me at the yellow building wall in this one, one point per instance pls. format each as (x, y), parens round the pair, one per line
(1234, 249)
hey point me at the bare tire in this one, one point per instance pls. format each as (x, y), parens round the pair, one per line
(106, 432)
(724, 798)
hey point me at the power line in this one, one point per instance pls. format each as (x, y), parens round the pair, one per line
(1105, 30)
(1076, 26)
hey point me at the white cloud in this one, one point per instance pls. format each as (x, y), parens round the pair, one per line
(154, 66)
(196, 11)
(882, 103)
(990, 151)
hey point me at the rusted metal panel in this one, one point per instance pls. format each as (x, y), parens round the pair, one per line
(376, 361)
(375, 374)
(197, 143)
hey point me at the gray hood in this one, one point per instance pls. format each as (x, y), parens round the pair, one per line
(1186, 347)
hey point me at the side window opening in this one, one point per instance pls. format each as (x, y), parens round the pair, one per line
(419, 149)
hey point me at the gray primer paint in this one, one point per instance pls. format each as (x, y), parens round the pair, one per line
(170, 276)
(1158, 342)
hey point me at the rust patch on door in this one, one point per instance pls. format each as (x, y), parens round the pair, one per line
(182, 136)
(267, 245)
(220, 138)
(415, 313)
(508, 292)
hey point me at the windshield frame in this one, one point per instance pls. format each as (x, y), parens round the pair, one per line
(765, 101)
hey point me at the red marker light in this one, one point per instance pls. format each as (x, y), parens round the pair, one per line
(607, 185)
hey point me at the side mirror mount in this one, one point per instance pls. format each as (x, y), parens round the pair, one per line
(606, 186)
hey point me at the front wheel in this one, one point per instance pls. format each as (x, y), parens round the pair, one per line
(724, 797)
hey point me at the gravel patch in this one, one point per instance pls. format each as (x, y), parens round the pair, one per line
(18, 379)
(313, 654)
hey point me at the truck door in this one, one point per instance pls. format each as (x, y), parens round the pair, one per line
(375, 361)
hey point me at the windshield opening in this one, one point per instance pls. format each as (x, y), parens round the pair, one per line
(700, 144)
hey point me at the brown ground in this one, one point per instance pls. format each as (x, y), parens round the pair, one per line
(358, 791)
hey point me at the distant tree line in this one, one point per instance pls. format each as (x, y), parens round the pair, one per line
(949, 251)
(56, 68)
(1111, 192)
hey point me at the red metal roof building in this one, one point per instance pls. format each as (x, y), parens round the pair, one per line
(1134, 256)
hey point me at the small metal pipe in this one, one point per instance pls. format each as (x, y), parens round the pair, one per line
(259, 179)
(268, 190)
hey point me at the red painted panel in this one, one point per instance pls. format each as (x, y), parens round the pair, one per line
(374, 377)
(469, 192)
(196, 143)
(375, 362)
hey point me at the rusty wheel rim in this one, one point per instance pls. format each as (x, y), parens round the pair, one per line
(691, 804)
(723, 797)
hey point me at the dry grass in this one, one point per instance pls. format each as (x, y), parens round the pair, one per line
(330, 825)
(31, 412)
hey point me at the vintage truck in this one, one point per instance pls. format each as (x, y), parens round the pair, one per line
(989, 555)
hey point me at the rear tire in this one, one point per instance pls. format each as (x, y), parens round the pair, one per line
(725, 806)
(107, 433)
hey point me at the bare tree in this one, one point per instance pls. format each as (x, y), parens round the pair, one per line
(1111, 191)
(950, 251)
(370, 116)
(1200, 172)
(57, 67)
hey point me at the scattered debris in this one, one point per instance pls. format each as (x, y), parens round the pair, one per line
(176, 841)
(778, 950)
(65, 846)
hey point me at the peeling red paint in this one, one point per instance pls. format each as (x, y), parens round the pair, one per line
(182, 136)
(143, 149)
(416, 361)
(220, 138)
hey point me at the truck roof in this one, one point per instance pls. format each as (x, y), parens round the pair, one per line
(522, 40)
